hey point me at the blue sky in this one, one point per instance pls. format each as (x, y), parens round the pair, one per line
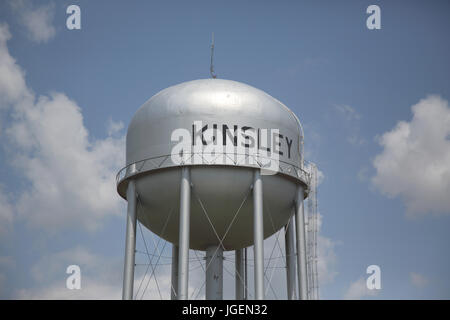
(349, 86)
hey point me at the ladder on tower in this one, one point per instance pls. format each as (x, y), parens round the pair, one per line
(312, 228)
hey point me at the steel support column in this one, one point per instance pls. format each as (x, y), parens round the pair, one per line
(183, 254)
(245, 275)
(214, 273)
(258, 234)
(130, 243)
(301, 244)
(239, 275)
(290, 260)
(174, 280)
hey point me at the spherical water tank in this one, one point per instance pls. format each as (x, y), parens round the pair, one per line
(221, 197)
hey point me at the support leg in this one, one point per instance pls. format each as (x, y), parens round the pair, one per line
(301, 245)
(258, 234)
(183, 255)
(130, 243)
(290, 260)
(214, 273)
(240, 274)
(246, 275)
(174, 289)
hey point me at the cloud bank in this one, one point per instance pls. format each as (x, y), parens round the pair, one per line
(358, 290)
(414, 164)
(69, 175)
(37, 20)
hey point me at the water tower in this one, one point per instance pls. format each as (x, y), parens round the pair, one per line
(203, 159)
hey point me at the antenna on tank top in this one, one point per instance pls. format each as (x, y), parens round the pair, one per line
(211, 67)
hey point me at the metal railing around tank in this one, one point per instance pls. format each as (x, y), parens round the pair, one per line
(165, 162)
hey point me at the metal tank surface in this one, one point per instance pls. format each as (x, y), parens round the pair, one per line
(227, 109)
(216, 165)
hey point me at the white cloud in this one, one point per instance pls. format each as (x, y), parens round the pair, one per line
(6, 213)
(418, 280)
(358, 290)
(71, 176)
(313, 141)
(349, 113)
(37, 20)
(415, 162)
(326, 260)
(72, 179)
(3, 285)
(7, 262)
(100, 276)
(352, 118)
(309, 166)
(7, 265)
(49, 265)
(114, 127)
(356, 140)
(93, 290)
(12, 80)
